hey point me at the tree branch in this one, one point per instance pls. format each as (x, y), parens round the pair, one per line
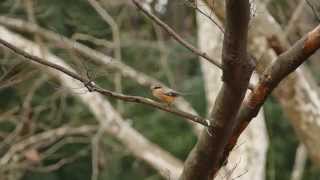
(92, 87)
(285, 64)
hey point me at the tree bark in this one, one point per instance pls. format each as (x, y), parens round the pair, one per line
(205, 159)
(248, 160)
(299, 87)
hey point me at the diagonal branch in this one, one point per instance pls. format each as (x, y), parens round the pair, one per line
(280, 69)
(176, 36)
(92, 87)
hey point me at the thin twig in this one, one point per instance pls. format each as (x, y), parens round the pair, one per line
(194, 6)
(92, 87)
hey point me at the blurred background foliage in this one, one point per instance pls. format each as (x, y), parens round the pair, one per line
(54, 106)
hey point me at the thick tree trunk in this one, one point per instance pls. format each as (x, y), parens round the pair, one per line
(205, 159)
(303, 107)
(248, 159)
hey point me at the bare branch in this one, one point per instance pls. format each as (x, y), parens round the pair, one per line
(94, 88)
(96, 41)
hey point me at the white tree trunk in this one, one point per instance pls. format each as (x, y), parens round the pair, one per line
(299, 163)
(248, 159)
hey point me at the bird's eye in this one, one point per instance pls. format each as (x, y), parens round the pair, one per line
(155, 87)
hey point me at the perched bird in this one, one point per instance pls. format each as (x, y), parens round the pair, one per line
(165, 95)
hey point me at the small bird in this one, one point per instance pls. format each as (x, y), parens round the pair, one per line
(165, 95)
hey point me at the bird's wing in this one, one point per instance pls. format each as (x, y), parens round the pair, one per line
(172, 93)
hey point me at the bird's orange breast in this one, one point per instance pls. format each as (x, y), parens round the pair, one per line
(163, 97)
